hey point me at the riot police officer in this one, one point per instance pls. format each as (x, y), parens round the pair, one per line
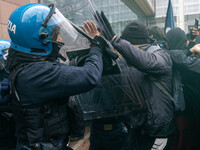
(40, 85)
(7, 132)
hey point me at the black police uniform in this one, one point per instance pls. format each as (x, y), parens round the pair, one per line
(7, 130)
(40, 94)
(7, 127)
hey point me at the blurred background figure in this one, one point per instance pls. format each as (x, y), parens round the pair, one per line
(7, 125)
(187, 120)
(156, 33)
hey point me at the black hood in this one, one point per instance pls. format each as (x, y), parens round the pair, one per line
(176, 39)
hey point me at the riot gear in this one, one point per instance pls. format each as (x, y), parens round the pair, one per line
(43, 25)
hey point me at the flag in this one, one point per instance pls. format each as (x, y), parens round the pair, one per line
(169, 21)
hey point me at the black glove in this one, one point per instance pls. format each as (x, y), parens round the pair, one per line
(104, 25)
(108, 26)
(101, 42)
(106, 47)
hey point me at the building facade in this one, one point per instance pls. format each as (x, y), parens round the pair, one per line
(6, 8)
(118, 12)
(191, 10)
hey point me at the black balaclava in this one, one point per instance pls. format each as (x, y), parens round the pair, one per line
(136, 33)
(176, 39)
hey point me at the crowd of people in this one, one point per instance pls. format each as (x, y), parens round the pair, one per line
(40, 112)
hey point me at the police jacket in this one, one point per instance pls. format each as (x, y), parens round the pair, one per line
(189, 68)
(40, 93)
(157, 64)
(7, 128)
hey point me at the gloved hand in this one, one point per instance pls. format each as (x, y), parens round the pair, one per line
(5, 91)
(108, 32)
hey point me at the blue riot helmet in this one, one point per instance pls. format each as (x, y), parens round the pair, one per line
(33, 28)
(4, 45)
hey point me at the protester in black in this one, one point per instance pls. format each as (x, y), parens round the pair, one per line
(156, 63)
(117, 94)
(187, 122)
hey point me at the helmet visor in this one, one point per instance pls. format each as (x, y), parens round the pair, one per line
(61, 29)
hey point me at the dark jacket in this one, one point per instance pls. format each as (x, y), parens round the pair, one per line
(7, 127)
(160, 109)
(43, 89)
(7, 131)
(176, 39)
(39, 82)
(189, 68)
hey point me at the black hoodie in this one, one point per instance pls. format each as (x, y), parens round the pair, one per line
(176, 39)
(189, 68)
